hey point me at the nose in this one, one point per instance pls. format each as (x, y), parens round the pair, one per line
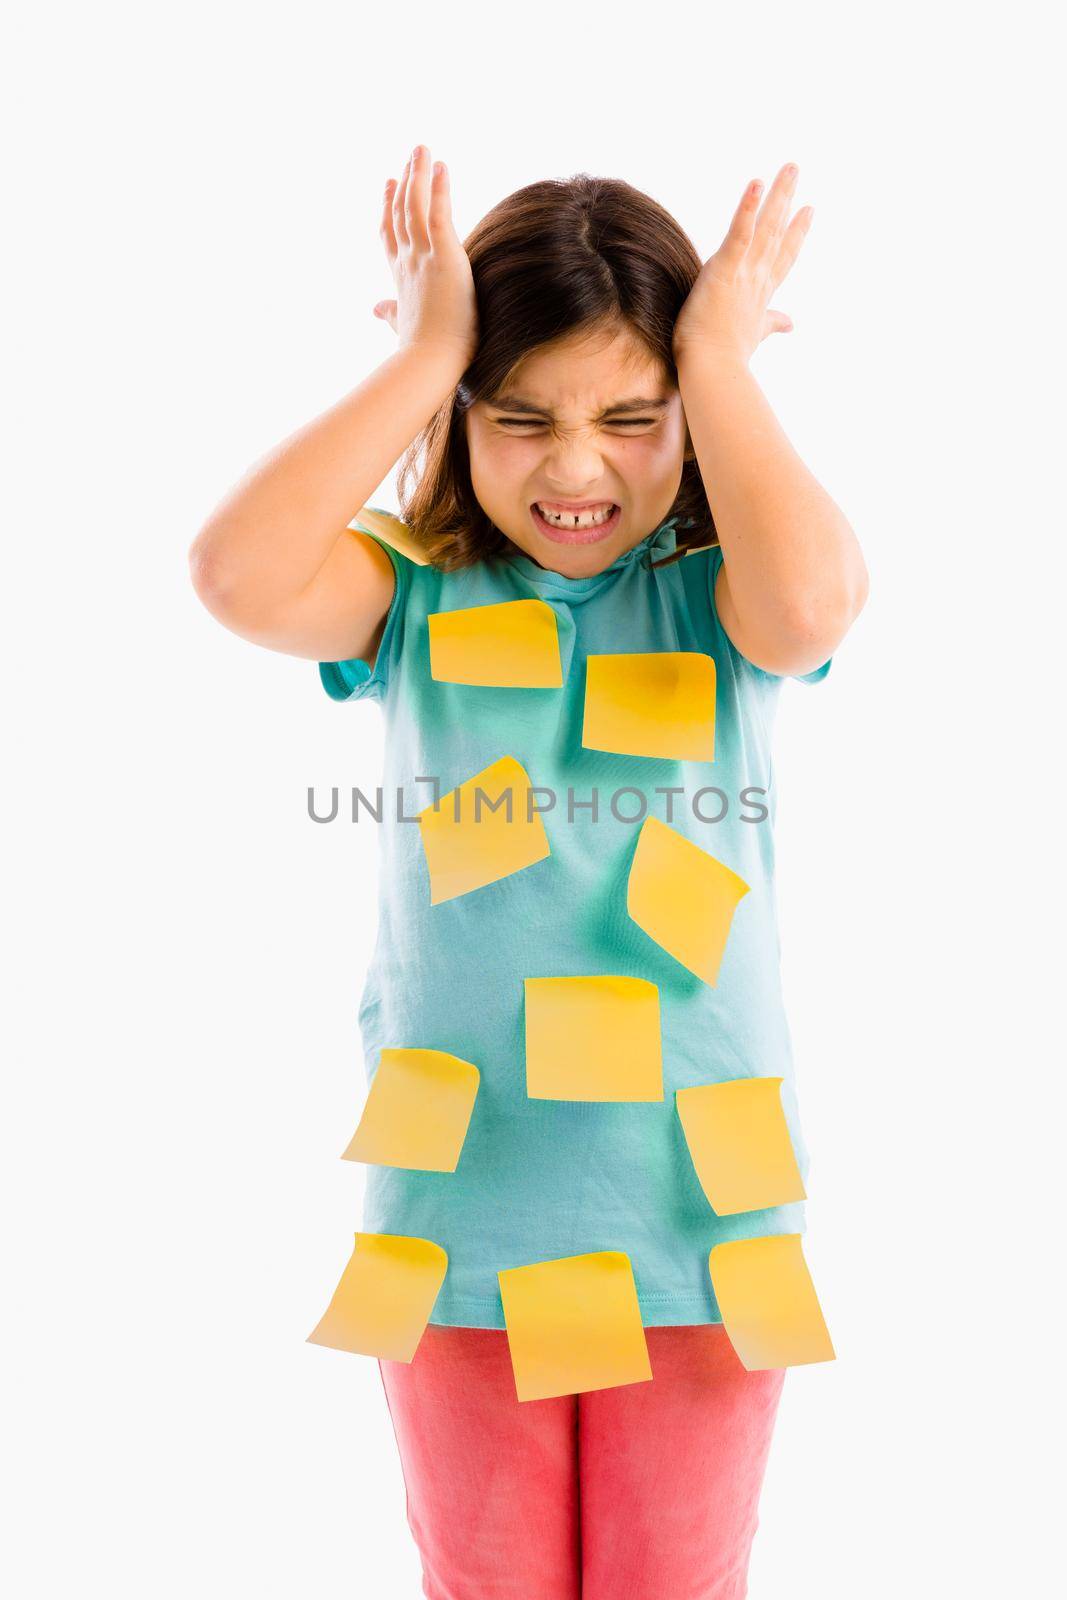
(573, 466)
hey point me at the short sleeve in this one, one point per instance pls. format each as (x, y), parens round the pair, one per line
(816, 676)
(355, 679)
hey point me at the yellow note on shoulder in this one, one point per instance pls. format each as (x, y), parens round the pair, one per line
(593, 1038)
(383, 1302)
(417, 1111)
(768, 1302)
(655, 703)
(388, 527)
(683, 897)
(740, 1144)
(511, 645)
(574, 1324)
(482, 831)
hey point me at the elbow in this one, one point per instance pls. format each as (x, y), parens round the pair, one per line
(234, 596)
(212, 577)
(814, 625)
(858, 590)
(202, 568)
(820, 619)
(205, 576)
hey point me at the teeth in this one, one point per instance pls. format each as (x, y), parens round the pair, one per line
(576, 519)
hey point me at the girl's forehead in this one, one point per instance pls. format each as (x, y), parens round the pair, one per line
(561, 383)
(587, 374)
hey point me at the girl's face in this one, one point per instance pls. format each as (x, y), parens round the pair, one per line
(588, 427)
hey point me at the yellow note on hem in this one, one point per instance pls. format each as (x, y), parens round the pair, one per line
(768, 1302)
(574, 1324)
(383, 1302)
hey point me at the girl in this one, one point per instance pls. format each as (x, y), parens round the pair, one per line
(572, 398)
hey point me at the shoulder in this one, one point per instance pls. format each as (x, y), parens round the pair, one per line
(418, 581)
(388, 529)
(404, 605)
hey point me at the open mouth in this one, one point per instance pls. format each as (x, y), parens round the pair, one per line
(576, 527)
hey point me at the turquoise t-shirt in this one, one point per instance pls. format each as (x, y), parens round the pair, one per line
(539, 1179)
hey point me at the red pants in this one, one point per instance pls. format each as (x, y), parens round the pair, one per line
(647, 1491)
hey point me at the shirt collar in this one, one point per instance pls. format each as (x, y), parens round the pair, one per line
(661, 542)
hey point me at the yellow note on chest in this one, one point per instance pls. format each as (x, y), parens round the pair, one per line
(683, 897)
(656, 703)
(512, 645)
(482, 831)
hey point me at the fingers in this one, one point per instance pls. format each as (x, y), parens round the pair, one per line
(770, 223)
(739, 234)
(416, 198)
(419, 206)
(789, 248)
(440, 201)
(400, 227)
(385, 230)
(760, 232)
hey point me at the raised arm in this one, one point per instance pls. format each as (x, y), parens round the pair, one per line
(276, 561)
(792, 579)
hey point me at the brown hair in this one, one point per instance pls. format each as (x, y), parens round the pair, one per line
(557, 257)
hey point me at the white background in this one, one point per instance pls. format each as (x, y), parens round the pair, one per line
(193, 196)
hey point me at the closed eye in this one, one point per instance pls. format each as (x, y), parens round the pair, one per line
(618, 422)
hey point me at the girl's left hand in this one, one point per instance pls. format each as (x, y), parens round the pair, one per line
(726, 311)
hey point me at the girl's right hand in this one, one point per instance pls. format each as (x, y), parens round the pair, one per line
(435, 308)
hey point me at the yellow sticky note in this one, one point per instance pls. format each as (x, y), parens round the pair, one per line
(768, 1302)
(511, 645)
(682, 897)
(388, 527)
(593, 1038)
(658, 703)
(574, 1324)
(739, 1141)
(383, 1302)
(417, 1111)
(485, 829)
